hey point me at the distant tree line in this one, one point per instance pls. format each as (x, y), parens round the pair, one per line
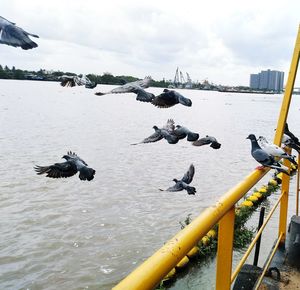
(44, 75)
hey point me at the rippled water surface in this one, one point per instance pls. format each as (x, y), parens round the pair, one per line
(70, 234)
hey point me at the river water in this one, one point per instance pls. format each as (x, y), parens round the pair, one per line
(70, 234)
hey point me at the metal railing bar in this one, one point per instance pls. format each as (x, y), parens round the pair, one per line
(269, 261)
(252, 244)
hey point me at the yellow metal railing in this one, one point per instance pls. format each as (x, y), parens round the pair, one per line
(149, 274)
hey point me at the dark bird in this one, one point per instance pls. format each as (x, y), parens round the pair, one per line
(288, 141)
(265, 159)
(13, 35)
(169, 98)
(166, 132)
(136, 87)
(184, 182)
(208, 140)
(290, 134)
(182, 132)
(72, 81)
(70, 167)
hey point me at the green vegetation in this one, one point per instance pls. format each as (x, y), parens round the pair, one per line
(44, 75)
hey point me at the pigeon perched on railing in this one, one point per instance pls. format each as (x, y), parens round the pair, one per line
(136, 87)
(169, 98)
(274, 150)
(208, 140)
(13, 35)
(166, 132)
(70, 167)
(265, 159)
(72, 81)
(184, 182)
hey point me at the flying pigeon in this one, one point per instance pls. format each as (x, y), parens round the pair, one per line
(169, 98)
(182, 132)
(184, 182)
(13, 35)
(166, 132)
(274, 150)
(70, 167)
(207, 140)
(265, 159)
(72, 81)
(136, 87)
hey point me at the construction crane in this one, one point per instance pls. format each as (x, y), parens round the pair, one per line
(188, 84)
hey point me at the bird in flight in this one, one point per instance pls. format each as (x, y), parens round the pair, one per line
(208, 140)
(184, 182)
(169, 98)
(72, 81)
(166, 132)
(70, 167)
(138, 87)
(265, 159)
(13, 35)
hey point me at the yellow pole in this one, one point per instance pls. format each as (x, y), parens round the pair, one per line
(224, 254)
(155, 268)
(284, 203)
(288, 92)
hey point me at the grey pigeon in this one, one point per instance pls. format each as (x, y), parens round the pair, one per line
(182, 132)
(170, 98)
(166, 132)
(184, 182)
(70, 167)
(136, 87)
(72, 81)
(265, 159)
(208, 140)
(13, 35)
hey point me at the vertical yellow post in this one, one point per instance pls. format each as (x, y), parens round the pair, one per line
(297, 189)
(224, 255)
(288, 91)
(284, 203)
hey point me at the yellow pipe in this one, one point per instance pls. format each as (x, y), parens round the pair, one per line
(225, 247)
(252, 244)
(155, 268)
(288, 91)
(284, 203)
(269, 261)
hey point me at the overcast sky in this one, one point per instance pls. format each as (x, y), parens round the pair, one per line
(221, 41)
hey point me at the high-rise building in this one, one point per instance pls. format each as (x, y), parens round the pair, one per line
(267, 80)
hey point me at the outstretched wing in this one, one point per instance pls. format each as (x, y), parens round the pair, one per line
(73, 155)
(177, 187)
(156, 136)
(58, 170)
(188, 176)
(169, 126)
(163, 101)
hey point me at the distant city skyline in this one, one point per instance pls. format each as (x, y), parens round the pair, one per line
(267, 80)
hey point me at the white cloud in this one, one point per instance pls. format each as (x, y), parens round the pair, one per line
(223, 41)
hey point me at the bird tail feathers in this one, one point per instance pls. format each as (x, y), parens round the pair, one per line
(191, 190)
(215, 145)
(87, 173)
